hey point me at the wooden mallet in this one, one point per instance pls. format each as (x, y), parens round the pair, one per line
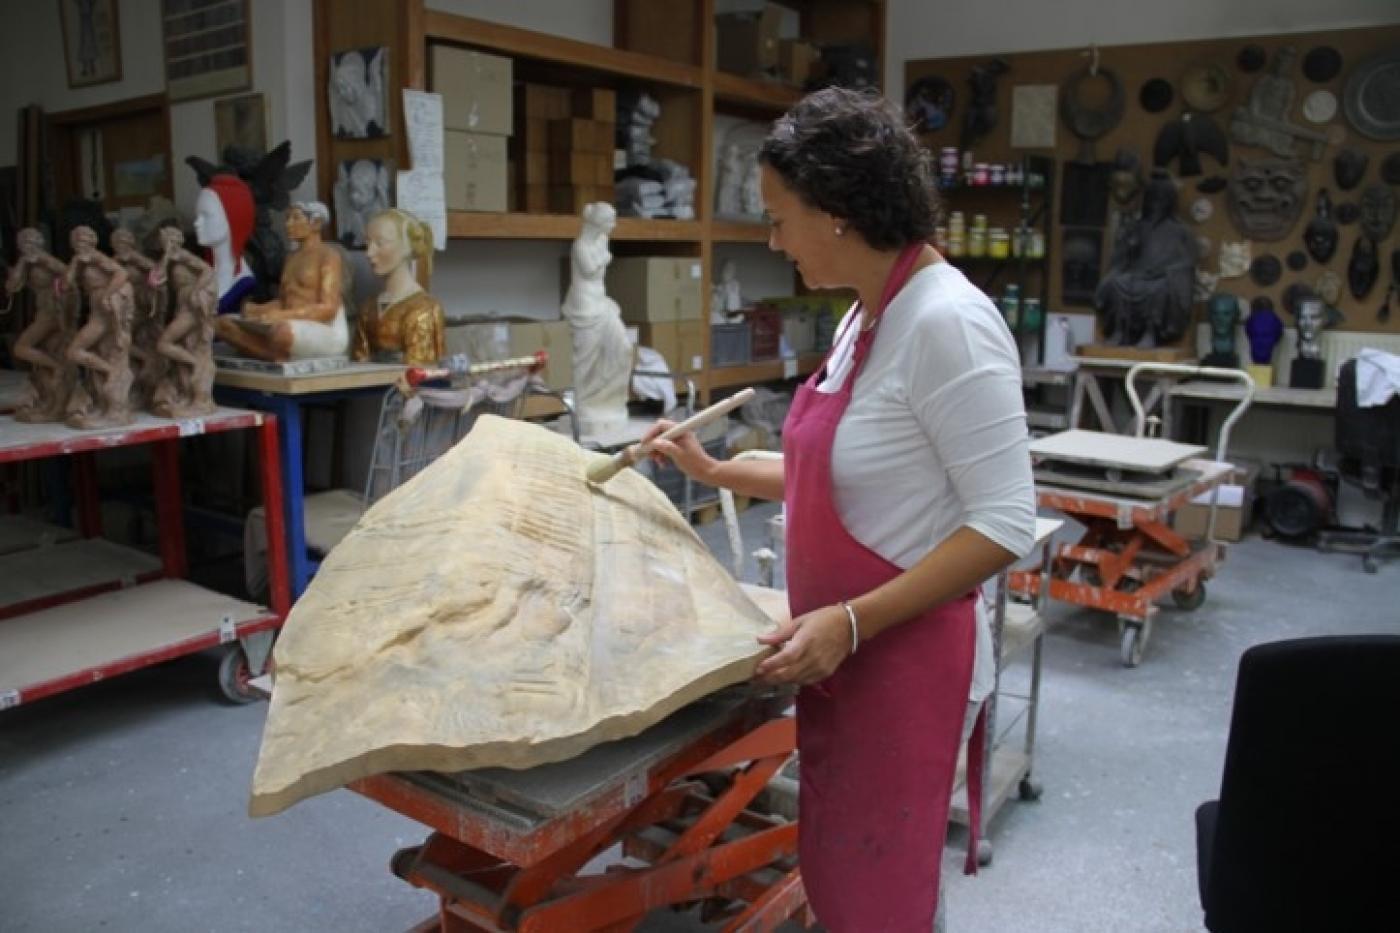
(600, 471)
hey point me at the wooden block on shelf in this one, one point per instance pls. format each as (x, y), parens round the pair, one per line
(543, 101)
(570, 199)
(595, 103)
(580, 168)
(577, 135)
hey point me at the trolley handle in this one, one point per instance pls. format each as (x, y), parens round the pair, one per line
(416, 375)
(1222, 444)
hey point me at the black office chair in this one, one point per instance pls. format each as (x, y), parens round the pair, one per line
(1368, 440)
(1306, 834)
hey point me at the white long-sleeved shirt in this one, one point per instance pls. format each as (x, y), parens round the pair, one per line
(934, 438)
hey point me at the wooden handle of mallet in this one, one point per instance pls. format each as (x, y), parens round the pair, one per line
(603, 470)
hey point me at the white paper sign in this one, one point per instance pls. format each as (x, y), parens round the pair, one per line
(422, 115)
(423, 194)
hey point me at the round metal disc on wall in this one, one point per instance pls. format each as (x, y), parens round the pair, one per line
(1251, 58)
(1265, 270)
(1205, 87)
(1156, 95)
(1322, 64)
(1320, 106)
(1372, 97)
(1297, 260)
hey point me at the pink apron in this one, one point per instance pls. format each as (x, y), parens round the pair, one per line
(878, 740)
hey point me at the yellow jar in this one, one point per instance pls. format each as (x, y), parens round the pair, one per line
(998, 244)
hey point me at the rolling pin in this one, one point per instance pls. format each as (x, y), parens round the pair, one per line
(600, 471)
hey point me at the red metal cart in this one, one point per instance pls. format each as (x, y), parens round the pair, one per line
(76, 609)
(1130, 557)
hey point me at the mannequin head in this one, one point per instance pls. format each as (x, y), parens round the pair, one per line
(224, 213)
(395, 237)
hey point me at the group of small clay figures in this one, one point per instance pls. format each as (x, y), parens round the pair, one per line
(111, 334)
(115, 334)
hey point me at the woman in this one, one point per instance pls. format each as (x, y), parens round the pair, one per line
(403, 322)
(907, 483)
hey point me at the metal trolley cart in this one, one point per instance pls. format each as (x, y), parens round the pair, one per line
(1124, 490)
(432, 409)
(76, 609)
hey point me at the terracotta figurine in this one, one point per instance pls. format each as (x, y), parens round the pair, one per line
(147, 319)
(187, 390)
(102, 348)
(44, 343)
(405, 323)
(307, 320)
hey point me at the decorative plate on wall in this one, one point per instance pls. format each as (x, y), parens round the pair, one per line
(1372, 97)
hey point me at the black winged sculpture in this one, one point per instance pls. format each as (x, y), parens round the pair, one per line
(1186, 138)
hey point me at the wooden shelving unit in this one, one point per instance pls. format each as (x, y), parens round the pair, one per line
(669, 51)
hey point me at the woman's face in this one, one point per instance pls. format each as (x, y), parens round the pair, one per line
(386, 249)
(805, 234)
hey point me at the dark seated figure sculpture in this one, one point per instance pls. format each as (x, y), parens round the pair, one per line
(1145, 298)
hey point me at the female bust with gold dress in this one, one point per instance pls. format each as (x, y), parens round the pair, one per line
(404, 322)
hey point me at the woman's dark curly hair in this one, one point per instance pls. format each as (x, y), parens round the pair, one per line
(849, 153)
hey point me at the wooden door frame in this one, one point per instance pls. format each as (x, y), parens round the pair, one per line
(63, 138)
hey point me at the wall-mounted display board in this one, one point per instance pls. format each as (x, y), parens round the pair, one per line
(1254, 130)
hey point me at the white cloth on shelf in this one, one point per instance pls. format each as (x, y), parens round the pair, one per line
(1377, 377)
(661, 388)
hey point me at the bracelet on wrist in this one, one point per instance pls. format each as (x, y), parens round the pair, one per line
(855, 627)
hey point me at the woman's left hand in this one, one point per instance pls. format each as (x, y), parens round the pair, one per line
(810, 648)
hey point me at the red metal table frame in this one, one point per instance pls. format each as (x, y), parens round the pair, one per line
(490, 876)
(163, 436)
(1135, 556)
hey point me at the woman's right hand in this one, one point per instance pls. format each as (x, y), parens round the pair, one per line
(684, 451)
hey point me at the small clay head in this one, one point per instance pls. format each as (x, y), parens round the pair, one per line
(1377, 211)
(1223, 311)
(1320, 237)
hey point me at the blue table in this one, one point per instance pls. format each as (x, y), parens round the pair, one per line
(286, 396)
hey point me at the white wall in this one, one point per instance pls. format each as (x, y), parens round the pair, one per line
(32, 71)
(919, 29)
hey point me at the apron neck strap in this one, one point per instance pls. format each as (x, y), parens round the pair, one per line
(899, 274)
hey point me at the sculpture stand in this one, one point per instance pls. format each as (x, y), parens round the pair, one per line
(1307, 373)
(1261, 373)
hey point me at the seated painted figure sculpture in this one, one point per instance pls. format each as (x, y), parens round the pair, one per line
(44, 343)
(307, 320)
(405, 323)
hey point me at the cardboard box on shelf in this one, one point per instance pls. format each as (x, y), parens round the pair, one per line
(534, 134)
(691, 345)
(475, 89)
(1232, 514)
(796, 60)
(747, 43)
(534, 168)
(534, 199)
(594, 103)
(475, 171)
(656, 288)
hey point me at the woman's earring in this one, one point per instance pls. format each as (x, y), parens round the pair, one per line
(840, 230)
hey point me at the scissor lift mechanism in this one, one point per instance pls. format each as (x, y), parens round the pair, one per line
(1130, 557)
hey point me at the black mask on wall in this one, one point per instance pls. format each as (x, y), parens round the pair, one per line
(1266, 196)
(1320, 237)
(1349, 167)
(1377, 212)
(1363, 269)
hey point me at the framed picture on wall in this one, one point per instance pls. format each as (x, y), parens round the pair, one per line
(240, 121)
(92, 47)
(208, 47)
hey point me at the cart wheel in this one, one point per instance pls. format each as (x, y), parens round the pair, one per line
(234, 676)
(984, 852)
(1029, 790)
(1190, 600)
(1131, 645)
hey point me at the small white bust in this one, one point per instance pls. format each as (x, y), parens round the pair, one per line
(602, 352)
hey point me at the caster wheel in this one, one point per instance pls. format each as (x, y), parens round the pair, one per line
(235, 678)
(1369, 564)
(1131, 645)
(984, 852)
(1190, 600)
(1029, 790)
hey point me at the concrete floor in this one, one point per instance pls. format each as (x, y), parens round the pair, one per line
(122, 804)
